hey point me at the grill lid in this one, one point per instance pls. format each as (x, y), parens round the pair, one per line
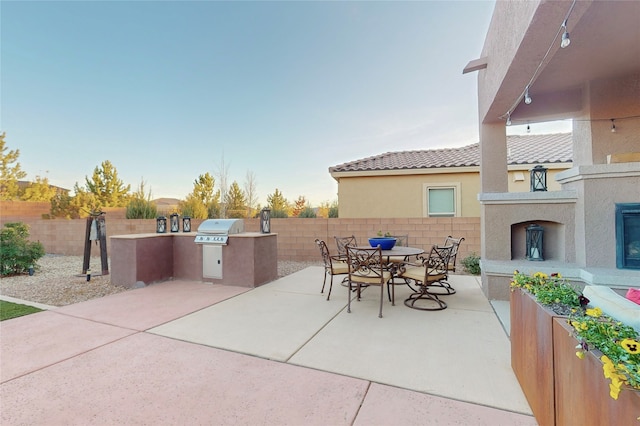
(217, 231)
(221, 226)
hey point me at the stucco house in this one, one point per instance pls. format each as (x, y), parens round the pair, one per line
(441, 182)
(549, 60)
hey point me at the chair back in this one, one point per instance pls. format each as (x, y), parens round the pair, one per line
(324, 252)
(366, 265)
(455, 242)
(437, 264)
(343, 242)
(401, 240)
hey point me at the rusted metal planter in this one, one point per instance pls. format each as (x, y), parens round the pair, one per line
(532, 353)
(582, 391)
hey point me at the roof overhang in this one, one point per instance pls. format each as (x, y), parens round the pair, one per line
(523, 47)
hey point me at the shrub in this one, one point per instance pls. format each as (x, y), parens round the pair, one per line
(139, 208)
(471, 264)
(279, 214)
(16, 253)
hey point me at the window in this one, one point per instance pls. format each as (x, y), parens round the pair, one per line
(442, 200)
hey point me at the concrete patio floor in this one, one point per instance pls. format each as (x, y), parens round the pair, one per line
(183, 352)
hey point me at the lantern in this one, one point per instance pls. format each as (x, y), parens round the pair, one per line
(174, 222)
(265, 221)
(186, 224)
(538, 178)
(534, 242)
(161, 225)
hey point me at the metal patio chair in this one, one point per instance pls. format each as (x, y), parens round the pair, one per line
(396, 262)
(342, 243)
(367, 267)
(455, 242)
(430, 278)
(332, 266)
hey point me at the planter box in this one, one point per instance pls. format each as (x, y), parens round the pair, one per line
(582, 391)
(532, 353)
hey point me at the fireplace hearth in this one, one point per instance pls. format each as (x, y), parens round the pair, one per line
(628, 236)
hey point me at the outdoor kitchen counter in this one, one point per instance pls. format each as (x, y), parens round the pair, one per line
(249, 260)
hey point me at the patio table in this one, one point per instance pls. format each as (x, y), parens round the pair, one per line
(399, 251)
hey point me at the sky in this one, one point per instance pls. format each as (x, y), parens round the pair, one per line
(169, 90)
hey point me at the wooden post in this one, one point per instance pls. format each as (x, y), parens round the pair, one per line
(102, 231)
(87, 246)
(102, 237)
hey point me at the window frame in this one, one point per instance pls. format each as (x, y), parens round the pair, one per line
(457, 199)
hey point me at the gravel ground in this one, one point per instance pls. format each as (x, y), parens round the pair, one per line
(59, 281)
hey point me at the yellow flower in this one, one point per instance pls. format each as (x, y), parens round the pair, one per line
(541, 275)
(631, 346)
(594, 312)
(580, 354)
(608, 370)
(614, 391)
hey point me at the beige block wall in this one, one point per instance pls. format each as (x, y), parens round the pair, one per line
(296, 236)
(10, 209)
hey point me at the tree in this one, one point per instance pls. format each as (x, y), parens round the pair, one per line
(203, 188)
(40, 190)
(251, 193)
(333, 209)
(323, 209)
(327, 209)
(108, 189)
(202, 202)
(10, 171)
(223, 184)
(300, 204)
(236, 202)
(308, 212)
(74, 207)
(193, 207)
(278, 204)
(140, 206)
(61, 207)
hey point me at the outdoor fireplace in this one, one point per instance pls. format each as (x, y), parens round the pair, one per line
(628, 236)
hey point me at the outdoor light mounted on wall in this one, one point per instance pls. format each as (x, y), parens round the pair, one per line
(186, 224)
(265, 221)
(538, 178)
(534, 242)
(161, 225)
(175, 222)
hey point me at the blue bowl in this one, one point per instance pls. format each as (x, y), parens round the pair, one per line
(385, 243)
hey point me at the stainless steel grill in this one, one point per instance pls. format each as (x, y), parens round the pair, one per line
(213, 235)
(217, 231)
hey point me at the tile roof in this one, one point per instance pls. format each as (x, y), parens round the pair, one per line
(526, 149)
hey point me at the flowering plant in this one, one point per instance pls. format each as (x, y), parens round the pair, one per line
(619, 344)
(553, 291)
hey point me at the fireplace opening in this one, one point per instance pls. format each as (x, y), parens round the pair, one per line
(628, 236)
